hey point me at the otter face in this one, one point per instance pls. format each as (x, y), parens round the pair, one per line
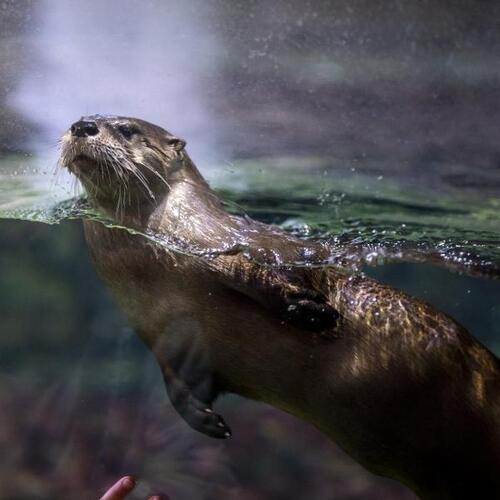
(114, 155)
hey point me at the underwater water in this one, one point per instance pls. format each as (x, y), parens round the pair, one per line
(82, 399)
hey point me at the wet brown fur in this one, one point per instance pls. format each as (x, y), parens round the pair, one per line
(400, 386)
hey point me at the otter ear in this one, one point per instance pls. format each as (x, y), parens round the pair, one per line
(176, 143)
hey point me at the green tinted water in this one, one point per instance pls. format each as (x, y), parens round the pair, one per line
(380, 216)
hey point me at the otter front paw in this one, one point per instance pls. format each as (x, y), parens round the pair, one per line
(198, 414)
(310, 311)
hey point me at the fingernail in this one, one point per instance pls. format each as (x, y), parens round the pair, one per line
(129, 483)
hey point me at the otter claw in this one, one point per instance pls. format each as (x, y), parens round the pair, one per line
(208, 423)
(196, 413)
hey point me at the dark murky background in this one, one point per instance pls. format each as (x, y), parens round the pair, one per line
(376, 120)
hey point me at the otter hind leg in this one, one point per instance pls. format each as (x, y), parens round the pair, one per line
(190, 381)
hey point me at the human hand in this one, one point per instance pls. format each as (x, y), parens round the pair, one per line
(123, 487)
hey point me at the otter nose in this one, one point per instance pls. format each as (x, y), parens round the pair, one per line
(84, 128)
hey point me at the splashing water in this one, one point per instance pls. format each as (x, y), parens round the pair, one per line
(363, 220)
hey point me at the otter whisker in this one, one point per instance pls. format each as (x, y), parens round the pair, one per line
(111, 168)
(120, 204)
(153, 171)
(140, 177)
(115, 166)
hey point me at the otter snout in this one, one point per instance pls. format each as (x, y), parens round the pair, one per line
(84, 128)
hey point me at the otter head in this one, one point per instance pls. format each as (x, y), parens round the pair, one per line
(123, 163)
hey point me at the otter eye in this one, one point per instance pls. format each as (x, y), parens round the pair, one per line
(127, 131)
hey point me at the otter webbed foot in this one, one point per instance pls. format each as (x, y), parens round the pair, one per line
(197, 413)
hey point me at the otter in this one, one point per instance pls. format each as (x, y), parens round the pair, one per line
(402, 387)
